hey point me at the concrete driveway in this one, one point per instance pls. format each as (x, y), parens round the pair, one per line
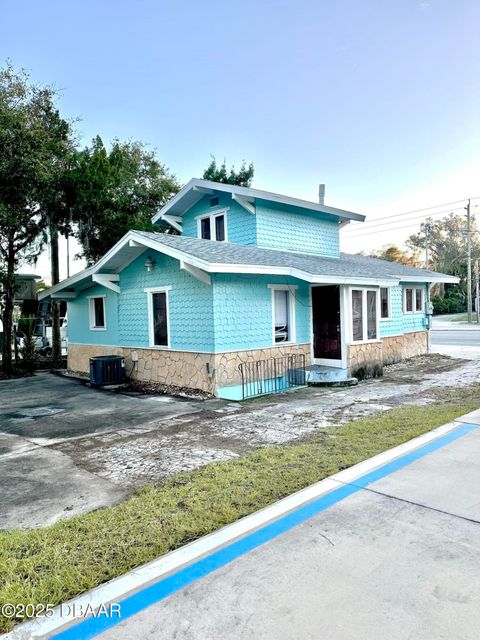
(40, 482)
(67, 449)
(394, 558)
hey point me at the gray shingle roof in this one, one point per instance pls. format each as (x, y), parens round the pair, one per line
(346, 265)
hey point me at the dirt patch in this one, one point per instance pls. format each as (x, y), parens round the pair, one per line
(156, 389)
(417, 368)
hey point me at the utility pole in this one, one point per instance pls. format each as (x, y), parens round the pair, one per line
(427, 231)
(477, 290)
(469, 265)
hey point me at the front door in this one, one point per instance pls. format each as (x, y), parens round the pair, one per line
(327, 339)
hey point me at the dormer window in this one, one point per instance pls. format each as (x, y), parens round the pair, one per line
(213, 226)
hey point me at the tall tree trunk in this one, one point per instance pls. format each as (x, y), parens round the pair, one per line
(55, 275)
(7, 317)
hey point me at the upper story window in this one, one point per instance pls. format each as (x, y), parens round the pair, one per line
(213, 226)
(96, 312)
(364, 315)
(413, 300)
(384, 303)
(283, 313)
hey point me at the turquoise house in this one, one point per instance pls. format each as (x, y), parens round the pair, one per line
(247, 286)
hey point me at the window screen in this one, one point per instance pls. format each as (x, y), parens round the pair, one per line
(160, 327)
(98, 313)
(357, 315)
(418, 300)
(384, 310)
(281, 299)
(220, 228)
(372, 315)
(408, 299)
(205, 228)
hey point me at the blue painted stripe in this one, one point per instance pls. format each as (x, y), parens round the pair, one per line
(133, 604)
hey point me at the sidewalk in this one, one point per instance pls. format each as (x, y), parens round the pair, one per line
(388, 548)
(448, 323)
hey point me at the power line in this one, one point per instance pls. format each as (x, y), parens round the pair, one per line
(377, 221)
(384, 228)
(363, 226)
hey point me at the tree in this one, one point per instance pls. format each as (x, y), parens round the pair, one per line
(28, 154)
(110, 192)
(447, 243)
(242, 178)
(392, 253)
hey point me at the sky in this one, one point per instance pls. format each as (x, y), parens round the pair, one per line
(379, 100)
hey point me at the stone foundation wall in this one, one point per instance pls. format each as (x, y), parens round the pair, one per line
(181, 368)
(365, 360)
(408, 345)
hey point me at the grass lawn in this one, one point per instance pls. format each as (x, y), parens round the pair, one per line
(53, 564)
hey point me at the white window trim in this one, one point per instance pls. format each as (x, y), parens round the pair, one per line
(212, 215)
(291, 312)
(364, 315)
(91, 313)
(389, 303)
(414, 300)
(151, 330)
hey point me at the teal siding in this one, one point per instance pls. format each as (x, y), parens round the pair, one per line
(79, 322)
(240, 223)
(291, 229)
(190, 305)
(401, 322)
(243, 310)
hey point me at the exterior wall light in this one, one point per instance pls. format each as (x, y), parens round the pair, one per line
(149, 264)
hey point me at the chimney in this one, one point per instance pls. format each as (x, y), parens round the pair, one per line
(321, 193)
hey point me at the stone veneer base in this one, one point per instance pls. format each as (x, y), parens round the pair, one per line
(367, 360)
(181, 368)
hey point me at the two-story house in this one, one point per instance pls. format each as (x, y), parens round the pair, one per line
(254, 280)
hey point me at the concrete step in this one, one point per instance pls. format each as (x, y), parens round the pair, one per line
(318, 375)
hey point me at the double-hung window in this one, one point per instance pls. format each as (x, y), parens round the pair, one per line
(213, 226)
(413, 299)
(364, 315)
(283, 313)
(96, 312)
(158, 317)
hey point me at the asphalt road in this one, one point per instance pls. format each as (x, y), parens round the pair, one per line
(457, 337)
(397, 558)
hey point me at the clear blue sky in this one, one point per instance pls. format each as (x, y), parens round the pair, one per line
(375, 98)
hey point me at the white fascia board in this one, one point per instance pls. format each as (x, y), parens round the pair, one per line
(300, 275)
(431, 278)
(170, 251)
(64, 284)
(66, 295)
(251, 194)
(173, 201)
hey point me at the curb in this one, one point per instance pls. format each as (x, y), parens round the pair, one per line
(119, 588)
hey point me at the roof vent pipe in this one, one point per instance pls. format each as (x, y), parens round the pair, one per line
(321, 193)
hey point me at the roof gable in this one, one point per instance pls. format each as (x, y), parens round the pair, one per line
(196, 189)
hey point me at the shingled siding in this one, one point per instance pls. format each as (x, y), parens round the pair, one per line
(401, 322)
(190, 305)
(243, 310)
(241, 226)
(79, 321)
(287, 230)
